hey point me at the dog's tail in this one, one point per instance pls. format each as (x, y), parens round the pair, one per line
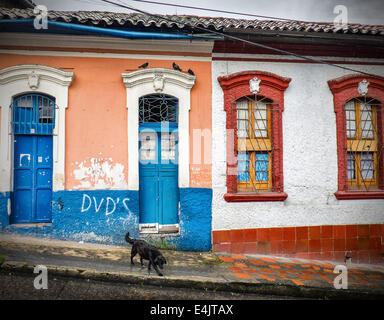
(128, 239)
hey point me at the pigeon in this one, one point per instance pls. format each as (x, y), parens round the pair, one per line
(190, 72)
(176, 67)
(144, 65)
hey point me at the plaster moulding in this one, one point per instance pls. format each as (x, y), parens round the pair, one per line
(158, 82)
(362, 87)
(33, 80)
(254, 85)
(350, 84)
(170, 76)
(30, 72)
(241, 79)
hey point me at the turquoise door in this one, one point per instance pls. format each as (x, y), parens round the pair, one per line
(33, 123)
(158, 168)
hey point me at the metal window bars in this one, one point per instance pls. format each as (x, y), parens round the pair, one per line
(33, 114)
(157, 108)
(159, 112)
(363, 147)
(255, 142)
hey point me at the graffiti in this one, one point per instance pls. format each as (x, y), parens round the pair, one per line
(108, 204)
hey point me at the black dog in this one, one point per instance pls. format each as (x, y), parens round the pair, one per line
(147, 252)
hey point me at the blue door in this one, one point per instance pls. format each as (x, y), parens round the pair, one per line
(33, 122)
(158, 168)
(32, 189)
(158, 172)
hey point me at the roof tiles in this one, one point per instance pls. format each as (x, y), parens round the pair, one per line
(104, 19)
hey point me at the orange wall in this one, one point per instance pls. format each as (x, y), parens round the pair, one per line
(96, 118)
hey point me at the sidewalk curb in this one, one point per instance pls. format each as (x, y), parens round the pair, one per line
(199, 283)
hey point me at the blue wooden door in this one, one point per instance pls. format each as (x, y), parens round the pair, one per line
(32, 188)
(158, 174)
(33, 124)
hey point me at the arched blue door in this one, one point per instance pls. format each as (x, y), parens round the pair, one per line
(158, 168)
(33, 123)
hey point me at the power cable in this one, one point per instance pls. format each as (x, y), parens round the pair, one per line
(216, 10)
(242, 40)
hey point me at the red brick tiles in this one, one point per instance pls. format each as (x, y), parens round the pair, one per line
(300, 272)
(364, 243)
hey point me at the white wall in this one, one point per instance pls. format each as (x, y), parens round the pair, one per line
(309, 152)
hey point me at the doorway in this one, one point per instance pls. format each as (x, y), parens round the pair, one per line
(158, 164)
(33, 123)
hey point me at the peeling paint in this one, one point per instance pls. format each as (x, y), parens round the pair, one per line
(92, 237)
(59, 178)
(100, 173)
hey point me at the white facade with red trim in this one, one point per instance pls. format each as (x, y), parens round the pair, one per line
(309, 150)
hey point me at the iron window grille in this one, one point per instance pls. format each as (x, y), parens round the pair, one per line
(158, 113)
(255, 147)
(33, 114)
(158, 108)
(363, 146)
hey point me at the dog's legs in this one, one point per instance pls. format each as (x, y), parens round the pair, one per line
(141, 261)
(133, 253)
(149, 266)
(154, 266)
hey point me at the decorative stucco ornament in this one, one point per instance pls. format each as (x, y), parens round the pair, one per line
(158, 82)
(254, 85)
(33, 80)
(363, 87)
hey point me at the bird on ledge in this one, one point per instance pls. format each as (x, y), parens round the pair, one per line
(143, 66)
(176, 67)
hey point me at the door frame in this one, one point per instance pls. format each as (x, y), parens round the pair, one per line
(34, 78)
(152, 81)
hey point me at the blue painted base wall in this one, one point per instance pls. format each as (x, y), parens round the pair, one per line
(4, 200)
(104, 216)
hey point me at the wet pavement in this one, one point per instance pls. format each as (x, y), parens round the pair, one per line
(243, 274)
(16, 286)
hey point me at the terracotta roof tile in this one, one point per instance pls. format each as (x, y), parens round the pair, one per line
(105, 19)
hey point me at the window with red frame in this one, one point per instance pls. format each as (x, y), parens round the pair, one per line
(360, 135)
(254, 136)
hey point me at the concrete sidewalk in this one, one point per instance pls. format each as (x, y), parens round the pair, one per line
(200, 270)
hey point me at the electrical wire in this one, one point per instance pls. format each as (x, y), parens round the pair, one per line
(95, 2)
(216, 10)
(242, 40)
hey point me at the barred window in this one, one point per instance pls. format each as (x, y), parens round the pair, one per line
(33, 114)
(157, 108)
(253, 145)
(362, 144)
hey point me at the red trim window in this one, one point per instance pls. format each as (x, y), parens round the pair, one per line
(254, 135)
(359, 105)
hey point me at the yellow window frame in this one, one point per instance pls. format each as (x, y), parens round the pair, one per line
(358, 145)
(253, 145)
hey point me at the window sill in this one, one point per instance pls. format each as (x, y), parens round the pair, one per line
(355, 195)
(253, 197)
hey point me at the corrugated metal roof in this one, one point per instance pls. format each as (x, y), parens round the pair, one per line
(105, 19)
